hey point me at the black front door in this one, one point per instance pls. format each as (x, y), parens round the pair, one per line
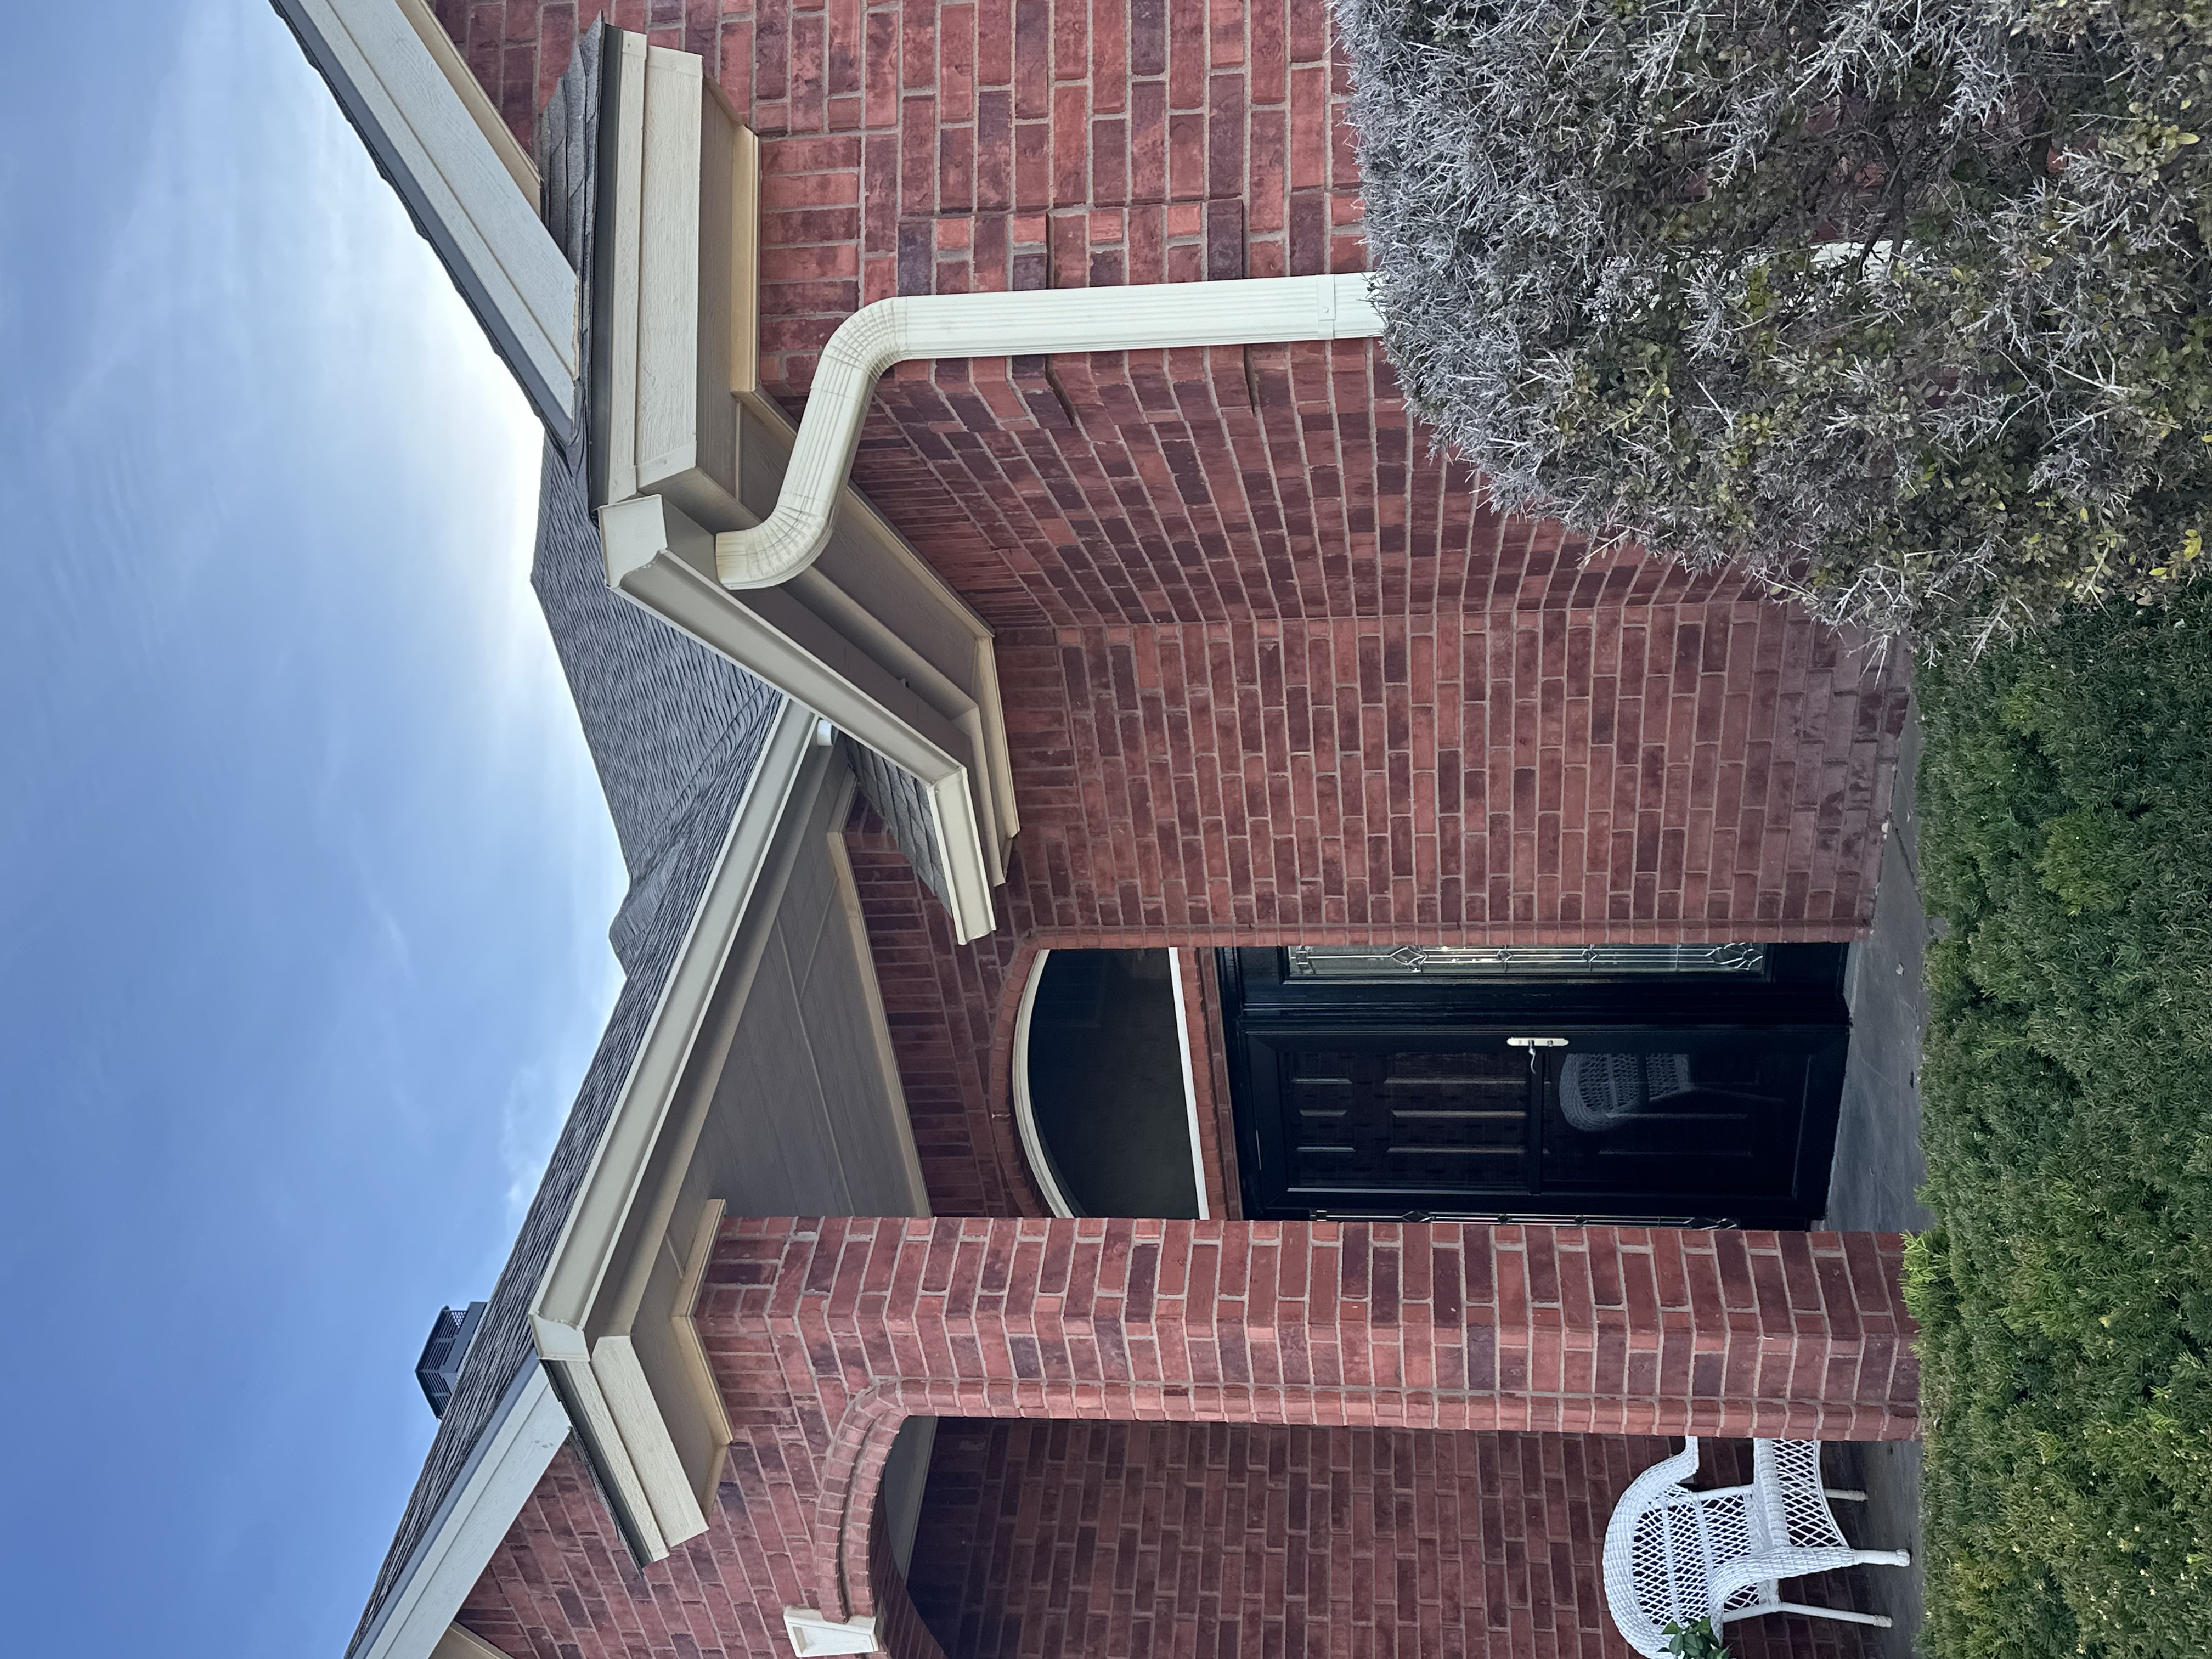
(1706, 1096)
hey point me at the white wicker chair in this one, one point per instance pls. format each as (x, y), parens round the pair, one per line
(1674, 1556)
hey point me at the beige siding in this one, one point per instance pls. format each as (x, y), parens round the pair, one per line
(807, 1118)
(804, 1117)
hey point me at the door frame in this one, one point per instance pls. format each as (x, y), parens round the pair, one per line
(1799, 1000)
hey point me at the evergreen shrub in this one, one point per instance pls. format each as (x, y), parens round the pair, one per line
(2065, 1294)
(1901, 306)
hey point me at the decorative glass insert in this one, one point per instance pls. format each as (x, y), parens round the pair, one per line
(1520, 961)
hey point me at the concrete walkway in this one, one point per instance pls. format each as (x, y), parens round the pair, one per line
(1878, 1172)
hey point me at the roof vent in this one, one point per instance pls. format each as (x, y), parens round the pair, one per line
(440, 1367)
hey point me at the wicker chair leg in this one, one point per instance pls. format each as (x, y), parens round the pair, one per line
(1880, 1620)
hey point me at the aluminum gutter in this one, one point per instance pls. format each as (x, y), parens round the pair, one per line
(1154, 316)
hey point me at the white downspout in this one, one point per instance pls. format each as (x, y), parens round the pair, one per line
(1144, 317)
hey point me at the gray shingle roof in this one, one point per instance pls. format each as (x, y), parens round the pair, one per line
(676, 733)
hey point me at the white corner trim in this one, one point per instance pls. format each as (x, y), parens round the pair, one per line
(1025, 1113)
(510, 1458)
(457, 186)
(1189, 1056)
(1255, 310)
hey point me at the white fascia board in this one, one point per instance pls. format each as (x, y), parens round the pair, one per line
(606, 1392)
(456, 185)
(510, 1458)
(583, 1255)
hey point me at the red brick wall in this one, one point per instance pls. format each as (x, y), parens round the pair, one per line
(561, 1584)
(1271, 666)
(1039, 1539)
(1146, 1540)
(1659, 772)
(826, 1334)
(1017, 143)
(1715, 771)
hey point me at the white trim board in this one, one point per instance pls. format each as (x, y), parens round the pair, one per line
(458, 188)
(1189, 1056)
(1024, 1113)
(660, 559)
(581, 1316)
(511, 1456)
(871, 637)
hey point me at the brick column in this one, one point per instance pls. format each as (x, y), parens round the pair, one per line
(826, 1334)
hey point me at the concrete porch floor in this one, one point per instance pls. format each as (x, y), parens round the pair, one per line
(1876, 1180)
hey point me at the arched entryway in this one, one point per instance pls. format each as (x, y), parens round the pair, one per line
(1102, 1086)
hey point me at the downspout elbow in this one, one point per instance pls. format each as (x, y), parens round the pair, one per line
(1251, 311)
(793, 536)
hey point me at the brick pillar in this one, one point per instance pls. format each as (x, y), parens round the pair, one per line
(826, 1334)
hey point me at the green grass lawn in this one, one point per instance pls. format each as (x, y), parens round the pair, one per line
(2065, 1294)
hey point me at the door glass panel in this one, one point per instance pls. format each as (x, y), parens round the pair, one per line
(1105, 1090)
(1721, 1118)
(1549, 961)
(1599, 1092)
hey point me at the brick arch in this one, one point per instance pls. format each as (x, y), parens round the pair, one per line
(900, 1631)
(825, 1336)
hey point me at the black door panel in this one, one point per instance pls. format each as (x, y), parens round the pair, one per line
(1360, 1114)
(1353, 1100)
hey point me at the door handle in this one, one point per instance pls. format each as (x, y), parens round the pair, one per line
(1531, 1044)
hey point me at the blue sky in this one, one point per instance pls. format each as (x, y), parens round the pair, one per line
(304, 874)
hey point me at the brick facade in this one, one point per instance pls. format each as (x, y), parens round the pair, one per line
(825, 1334)
(1274, 672)
(1158, 1540)
(1667, 772)
(562, 1585)
(1272, 663)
